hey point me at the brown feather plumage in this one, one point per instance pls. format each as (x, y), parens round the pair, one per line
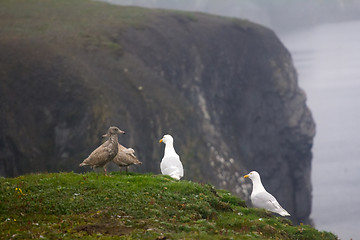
(105, 152)
(125, 157)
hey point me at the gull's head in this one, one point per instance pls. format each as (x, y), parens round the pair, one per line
(113, 131)
(167, 139)
(253, 175)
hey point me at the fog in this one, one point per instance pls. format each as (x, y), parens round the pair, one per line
(280, 15)
(327, 58)
(324, 39)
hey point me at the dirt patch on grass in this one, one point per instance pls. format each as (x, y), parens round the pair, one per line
(115, 229)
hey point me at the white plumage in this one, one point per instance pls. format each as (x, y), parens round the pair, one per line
(171, 164)
(260, 198)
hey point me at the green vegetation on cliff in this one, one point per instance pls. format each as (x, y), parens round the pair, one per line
(132, 206)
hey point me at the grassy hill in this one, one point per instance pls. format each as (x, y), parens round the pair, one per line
(132, 206)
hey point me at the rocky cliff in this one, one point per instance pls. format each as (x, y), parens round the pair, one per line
(226, 89)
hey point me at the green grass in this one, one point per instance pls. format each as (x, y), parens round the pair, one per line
(132, 206)
(66, 15)
(69, 23)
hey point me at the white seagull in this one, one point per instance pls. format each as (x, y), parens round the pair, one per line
(171, 164)
(260, 198)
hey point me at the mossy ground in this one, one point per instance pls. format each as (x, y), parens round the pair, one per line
(132, 206)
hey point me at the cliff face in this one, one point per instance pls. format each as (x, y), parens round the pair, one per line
(225, 89)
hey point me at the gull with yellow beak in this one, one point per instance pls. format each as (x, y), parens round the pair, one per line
(260, 198)
(171, 164)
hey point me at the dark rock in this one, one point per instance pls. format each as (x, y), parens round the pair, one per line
(225, 89)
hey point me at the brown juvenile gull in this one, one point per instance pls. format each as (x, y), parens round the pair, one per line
(105, 152)
(125, 156)
(260, 198)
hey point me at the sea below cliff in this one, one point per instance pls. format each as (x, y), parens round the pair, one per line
(327, 58)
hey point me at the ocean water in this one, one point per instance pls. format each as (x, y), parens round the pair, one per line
(327, 58)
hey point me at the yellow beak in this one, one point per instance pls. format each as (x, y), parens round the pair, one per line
(160, 140)
(246, 176)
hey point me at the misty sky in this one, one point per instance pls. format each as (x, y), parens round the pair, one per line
(280, 15)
